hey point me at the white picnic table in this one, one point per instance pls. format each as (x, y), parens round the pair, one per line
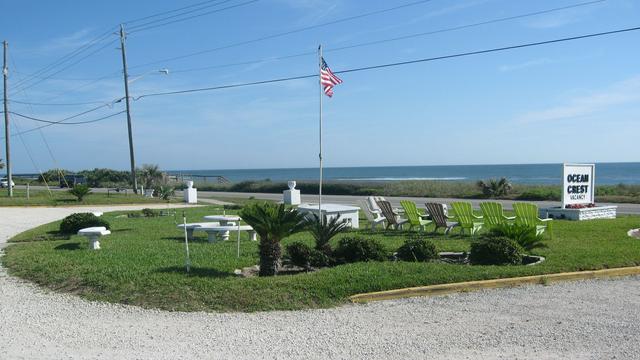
(93, 234)
(350, 213)
(191, 227)
(224, 230)
(223, 219)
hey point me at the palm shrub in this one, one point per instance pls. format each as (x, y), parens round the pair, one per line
(495, 188)
(323, 231)
(165, 192)
(525, 236)
(150, 175)
(80, 191)
(272, 222)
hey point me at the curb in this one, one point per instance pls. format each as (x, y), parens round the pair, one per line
(442, 289)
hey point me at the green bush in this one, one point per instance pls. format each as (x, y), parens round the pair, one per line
(499, 250)
(232, 207)
(146, 212)
(74, 222)
(417, 250)
(355, 249)
(106, 177)
(301, 254)
(525, 236)
(540, 194)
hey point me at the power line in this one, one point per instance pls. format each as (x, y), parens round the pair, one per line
(149, 25)
(141, 27)
(77, 88)
(461, 27)
(50, 121)
(59, 122)
(68, 66)
(373, 67)
(312, 52)
(404, 37)
(273, 36)
(62, 79)
(402, 63)
(168, 12)
(56, 104)
(67, 57)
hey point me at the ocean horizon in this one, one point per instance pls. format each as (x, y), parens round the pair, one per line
(606, 173)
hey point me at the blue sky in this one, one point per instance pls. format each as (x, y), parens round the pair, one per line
(575, 101)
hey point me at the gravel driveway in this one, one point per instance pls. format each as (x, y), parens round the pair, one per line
(589, 319)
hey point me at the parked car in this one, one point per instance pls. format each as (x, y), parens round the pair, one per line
(72, 180)
(4, 183)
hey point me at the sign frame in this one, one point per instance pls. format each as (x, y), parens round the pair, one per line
(590, 183)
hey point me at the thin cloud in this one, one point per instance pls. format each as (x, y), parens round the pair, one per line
(525, 65)
(66, 42)
(316, 10)
(560, 19)
(620, 93)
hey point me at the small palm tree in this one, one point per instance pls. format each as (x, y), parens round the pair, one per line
(495, 188)
(323, 231)
(273, 223)
(165, 192)
(150, 175)
(80, 191)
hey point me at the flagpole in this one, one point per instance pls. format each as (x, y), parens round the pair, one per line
(320, 132)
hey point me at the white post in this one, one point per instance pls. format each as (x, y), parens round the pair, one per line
(239, 238)
(320, 128)
(186, 242)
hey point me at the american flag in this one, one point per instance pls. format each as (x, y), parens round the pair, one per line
(328, 79)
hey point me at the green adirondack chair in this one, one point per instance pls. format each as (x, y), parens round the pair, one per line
(466, 218)
(493, 215)
(415, 218)
(527, 215)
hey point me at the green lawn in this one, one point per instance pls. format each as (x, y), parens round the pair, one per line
(63, 198)
(142, 263)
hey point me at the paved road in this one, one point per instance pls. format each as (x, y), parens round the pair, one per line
(395, 200)
(633, 209)
(579, 320)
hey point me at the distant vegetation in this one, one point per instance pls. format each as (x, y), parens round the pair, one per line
(490, 188)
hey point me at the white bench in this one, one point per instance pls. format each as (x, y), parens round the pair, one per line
(191, 227)
(223, 231)
(93, 234)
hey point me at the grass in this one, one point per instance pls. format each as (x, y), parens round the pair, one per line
(63, 198)
(142, 263)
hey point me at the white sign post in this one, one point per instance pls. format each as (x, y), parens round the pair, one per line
(578, 184)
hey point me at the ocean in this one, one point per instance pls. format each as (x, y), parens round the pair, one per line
(606, 173)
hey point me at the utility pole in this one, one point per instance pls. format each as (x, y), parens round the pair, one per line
(5, 74)
(134, 180)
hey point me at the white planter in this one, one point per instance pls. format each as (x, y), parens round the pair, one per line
(598, 212)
